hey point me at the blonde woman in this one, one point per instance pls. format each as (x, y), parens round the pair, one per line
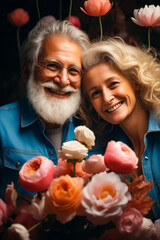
(121, 101)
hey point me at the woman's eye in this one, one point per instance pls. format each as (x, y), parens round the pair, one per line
(113, 84)
(95, 94)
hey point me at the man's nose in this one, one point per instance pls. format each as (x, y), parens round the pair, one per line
(62, 78)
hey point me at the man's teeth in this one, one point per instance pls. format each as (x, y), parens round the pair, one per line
(56, 92)
(114, 108)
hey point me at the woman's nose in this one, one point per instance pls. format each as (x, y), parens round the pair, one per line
(107, 96)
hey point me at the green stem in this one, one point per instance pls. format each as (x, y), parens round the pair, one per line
(101, 28)
(34, 226)
(37, 5)
(74, 164)
(149, 37)
(70, 9)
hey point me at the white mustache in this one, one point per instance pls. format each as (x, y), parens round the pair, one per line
(57, 88)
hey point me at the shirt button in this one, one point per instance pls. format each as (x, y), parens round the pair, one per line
(146, 158)
(50, 152)
(18, 164)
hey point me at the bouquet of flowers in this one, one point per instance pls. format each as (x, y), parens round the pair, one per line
(80, 198)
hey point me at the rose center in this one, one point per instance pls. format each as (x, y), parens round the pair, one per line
(33, 167)
(107, 191)
(125, 150)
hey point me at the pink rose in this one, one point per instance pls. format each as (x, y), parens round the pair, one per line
(36, 174)
(105, 197)
(10, 198)
(3, 212)
(130, 221)
(75, 21)
(120, 158)
(64, 197)
(94, 164)
(149, 16)
(147, 230)
(157, 228)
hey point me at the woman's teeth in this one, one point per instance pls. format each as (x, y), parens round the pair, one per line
(114, 108)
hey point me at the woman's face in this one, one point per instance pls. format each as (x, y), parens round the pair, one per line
(111, 94)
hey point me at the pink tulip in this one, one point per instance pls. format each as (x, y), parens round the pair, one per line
(75, 21)
(36, 174)
(96, 7)
(18, 17)
(120, 158)
(149, 16)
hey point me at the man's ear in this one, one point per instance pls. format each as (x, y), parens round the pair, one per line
(25, 71)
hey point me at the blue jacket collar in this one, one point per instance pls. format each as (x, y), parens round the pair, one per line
(153, 123)
(28, 115)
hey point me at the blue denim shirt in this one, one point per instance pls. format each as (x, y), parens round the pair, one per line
(150, 159)
(22, 137)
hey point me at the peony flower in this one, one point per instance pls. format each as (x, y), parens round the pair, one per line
(147, 230)
(10, 198)
(38, 207)
(17, 231)
(18, 17)
(130, 221)
(64, 196)
(105, 197)
(157, 228)
(75, 21)
(97, 8)
(85, 136)
(36, 174)
(120, 158)
(3, 212)
(94, 164)
(149, 16)
(73, 150)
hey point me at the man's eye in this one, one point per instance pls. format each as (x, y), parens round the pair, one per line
(53, 66)
(74, 71)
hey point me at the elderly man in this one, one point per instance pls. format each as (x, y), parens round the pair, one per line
(42, 122)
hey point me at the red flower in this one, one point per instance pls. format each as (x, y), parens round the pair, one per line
(75, 21)
(96, 7)
(18, 17)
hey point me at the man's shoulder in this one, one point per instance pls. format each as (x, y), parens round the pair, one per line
(9, 107)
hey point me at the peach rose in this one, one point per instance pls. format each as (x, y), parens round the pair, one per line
(36, 174)
(157, 228)
(94, 164)
(105, 197)
(64, 196)
(73, 150)
(85, 136)
(120, 158)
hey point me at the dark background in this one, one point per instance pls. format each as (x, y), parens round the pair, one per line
(116, 22)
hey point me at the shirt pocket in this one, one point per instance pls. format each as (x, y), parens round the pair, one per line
(14, 159)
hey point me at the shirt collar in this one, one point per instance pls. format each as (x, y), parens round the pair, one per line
(28, 115)
(153, 123)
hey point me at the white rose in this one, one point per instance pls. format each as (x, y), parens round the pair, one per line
(17, 231)
(73, 150)
(85, 135)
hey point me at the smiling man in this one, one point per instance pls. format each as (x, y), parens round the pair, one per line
(40, 123)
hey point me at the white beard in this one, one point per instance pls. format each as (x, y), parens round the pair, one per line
(52, 109)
